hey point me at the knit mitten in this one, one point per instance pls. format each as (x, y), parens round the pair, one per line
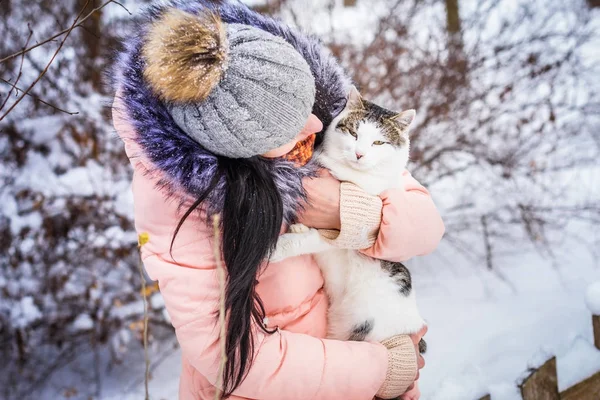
(360, 216)
(402, 367)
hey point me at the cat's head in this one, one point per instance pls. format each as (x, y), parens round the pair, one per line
(364, 135)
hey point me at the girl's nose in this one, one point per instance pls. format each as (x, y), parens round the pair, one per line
(313, 125)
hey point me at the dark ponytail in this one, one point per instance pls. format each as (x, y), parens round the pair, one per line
(251, 220)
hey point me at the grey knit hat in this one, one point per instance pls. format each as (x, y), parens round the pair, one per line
(235, 89)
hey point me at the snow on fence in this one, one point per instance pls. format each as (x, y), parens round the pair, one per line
(592, 299)
(542, 383)
(596, 323)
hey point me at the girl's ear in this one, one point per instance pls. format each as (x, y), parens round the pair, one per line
(405, 118)
(354, 100)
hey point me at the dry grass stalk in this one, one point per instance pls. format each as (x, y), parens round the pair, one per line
(221, 276)
(142, 240)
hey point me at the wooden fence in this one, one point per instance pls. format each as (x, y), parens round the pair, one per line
(542, 384)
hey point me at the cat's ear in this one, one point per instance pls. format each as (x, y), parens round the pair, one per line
(354, 99)
(405, 118)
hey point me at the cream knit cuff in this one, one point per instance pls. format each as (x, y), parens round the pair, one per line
(360, 217)
(402, 367)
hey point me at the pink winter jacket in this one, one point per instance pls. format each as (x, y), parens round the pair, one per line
(296, 362)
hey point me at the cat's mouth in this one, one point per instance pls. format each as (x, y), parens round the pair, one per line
(359, 165)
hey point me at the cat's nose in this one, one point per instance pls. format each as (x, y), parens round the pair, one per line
(359, 156)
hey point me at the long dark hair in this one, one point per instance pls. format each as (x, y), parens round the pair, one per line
(250, 224)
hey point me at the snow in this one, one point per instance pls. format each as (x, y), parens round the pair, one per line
(19, 222)
(166, 315)
(83, 322)
(592, 298)
(581, 361)
(25, 312)
(78, 181)
(124, 200)
(486, 331)
(157, 301)
(128, 310)
(115, 236)
(52, 125)
(27, 245)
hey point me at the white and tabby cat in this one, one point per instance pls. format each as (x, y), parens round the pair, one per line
(369, 299)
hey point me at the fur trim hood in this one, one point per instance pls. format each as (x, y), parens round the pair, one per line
(186, 166)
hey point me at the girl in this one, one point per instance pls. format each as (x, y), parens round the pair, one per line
(209, 113)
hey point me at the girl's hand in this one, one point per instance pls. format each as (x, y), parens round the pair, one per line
(413, 392)
(416, 338)
(323, 208)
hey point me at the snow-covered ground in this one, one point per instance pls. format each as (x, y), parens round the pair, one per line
(486, 329)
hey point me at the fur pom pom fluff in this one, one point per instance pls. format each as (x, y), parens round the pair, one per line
(185, 55)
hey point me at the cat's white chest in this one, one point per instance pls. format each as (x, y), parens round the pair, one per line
(372, 182)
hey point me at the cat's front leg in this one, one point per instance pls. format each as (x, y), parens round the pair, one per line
(301, 240)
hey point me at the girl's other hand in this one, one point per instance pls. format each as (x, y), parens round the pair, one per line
(416, 338)
(323, 208)
(412, 394)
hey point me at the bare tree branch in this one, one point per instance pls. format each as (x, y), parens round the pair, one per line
(40, 100)
(78, 22)
(49, 62)
(14, 85)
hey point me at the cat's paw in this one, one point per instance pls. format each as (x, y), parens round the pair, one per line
(299, 228)
(283, 249)
(308, 241)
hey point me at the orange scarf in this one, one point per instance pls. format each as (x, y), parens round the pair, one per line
(302, 152)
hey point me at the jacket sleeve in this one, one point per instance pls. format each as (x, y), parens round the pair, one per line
(286, 365)
(410, 223)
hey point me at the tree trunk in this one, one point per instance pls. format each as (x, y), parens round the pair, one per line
(457, 59)
(452, 16)
(91, 38)
(593, 3)
(5, 8)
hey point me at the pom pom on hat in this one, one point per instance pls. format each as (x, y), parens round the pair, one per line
(185, 55)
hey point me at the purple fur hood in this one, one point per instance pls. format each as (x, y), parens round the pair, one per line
(188, 168)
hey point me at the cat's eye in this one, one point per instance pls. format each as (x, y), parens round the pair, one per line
(378, 143)
(346, 129)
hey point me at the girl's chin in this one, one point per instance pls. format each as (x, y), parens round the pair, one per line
(280, 151)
